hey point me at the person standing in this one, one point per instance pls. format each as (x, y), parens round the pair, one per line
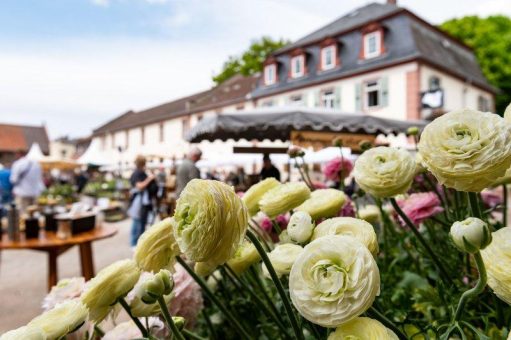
(143, 191)
(27, 181)
(187, 170)
(269, 170)
(5, 189)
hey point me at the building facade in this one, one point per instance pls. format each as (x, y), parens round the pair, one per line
(379, 60)
(20, 138)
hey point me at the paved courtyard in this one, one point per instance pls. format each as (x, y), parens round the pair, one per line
(23, 275)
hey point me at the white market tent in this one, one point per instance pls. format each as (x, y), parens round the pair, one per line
(93, 155)
(35, 153)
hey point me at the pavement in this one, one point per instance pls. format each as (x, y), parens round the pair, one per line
(23, 275)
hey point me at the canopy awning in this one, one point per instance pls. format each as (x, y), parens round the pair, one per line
(278, 123)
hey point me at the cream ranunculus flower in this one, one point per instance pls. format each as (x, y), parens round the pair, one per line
(283, 198)
(323, 203)
(300, 227)
(334, 280)
(138, 307)
(497, 260)
(282, 258)
(467, 149)
(253, 195)
(64, 318)
(363, 328)
(211, 221)
(507, 113)
(25, 333)
(157, 248)
(245, 256)
(470, 235)
(111, 283)
(384, 172)
(370, 213)
(348, 226)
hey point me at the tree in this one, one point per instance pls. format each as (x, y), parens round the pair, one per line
(491, 40)
(251, 61)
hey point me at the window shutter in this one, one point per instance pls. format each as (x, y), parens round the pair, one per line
(337, 103)
(384, 83)
(358, 97)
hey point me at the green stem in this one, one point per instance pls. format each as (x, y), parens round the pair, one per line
(214, 299)
(479, 287)
(209, 324)
(98, 331)
(192, 335)
(504, 208)
(280, 289)
(421, 239)
(244, 287)
(165, 311)
(137, 322)
(257, 279)
(389, 324)
(474, 204)
(306, 171)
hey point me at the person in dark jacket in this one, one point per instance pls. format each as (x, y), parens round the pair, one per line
(269, 170)
(143, 191)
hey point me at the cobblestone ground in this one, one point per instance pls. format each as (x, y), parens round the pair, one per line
(23, 275)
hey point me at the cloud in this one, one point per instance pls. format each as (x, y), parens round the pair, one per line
(102, 3)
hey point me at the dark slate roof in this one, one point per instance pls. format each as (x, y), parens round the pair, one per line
(21, 137)
(353, 19)
(232, 91)
(406, 38)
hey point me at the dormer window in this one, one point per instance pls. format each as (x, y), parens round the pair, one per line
(270, 74)
(297, 66)
(372, 44)
(328, 57)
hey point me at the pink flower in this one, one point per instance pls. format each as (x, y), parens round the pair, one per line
(187, 301)
(348, 209)
(319, 185)
(337, 167)
(267, 225)
(492, 198)
(420, 206)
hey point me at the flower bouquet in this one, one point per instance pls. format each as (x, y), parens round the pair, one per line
(422, 256)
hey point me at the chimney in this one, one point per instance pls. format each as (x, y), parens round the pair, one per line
(392, 2)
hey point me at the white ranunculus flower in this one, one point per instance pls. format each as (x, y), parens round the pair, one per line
(323, 203)
(497, 260)
(384, 172)
(334, 280)
(282, 258)
(300, 227)
(507, 113)
(466, 149)
(470, 235)
(370, 213)
(361, 230)
(210, 222)
(284, 197)
(61, 320)
(254, 194)
(363, 328)
(25, 333)
(245, 256)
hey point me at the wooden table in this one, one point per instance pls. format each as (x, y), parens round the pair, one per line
(54, 246)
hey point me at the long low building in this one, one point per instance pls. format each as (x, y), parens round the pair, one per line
(380, 60)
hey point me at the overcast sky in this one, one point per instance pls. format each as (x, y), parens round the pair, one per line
(76, 64)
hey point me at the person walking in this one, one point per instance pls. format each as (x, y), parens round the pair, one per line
(269, 170)
(27, 181)
(187, 170)
(143, 190)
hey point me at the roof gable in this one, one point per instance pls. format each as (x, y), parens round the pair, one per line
(21, 137)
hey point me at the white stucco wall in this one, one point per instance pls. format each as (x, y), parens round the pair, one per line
(457, 93)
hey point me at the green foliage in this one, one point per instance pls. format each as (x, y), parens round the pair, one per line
(251, 61)
(491, 40)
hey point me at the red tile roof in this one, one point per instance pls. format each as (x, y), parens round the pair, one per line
(21, 137)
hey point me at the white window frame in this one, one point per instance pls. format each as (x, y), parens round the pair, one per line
(300, 59)
(294, 102)
(324, 50)
(328, 96)
(270, 74)
(370, 88)
(377, 44)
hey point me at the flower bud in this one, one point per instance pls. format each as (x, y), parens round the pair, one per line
(412, 131)
(245, 256)
(179, 321)
(507, 113)
(168, 282)
(204, 268)
(323, 203)
(254, 194)
(300, 227)
(283, 198)
(470, 235)
(295, 151)
(159, 285)
(370, 213)
(337, 141)
(365, 145)
(155, 287)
